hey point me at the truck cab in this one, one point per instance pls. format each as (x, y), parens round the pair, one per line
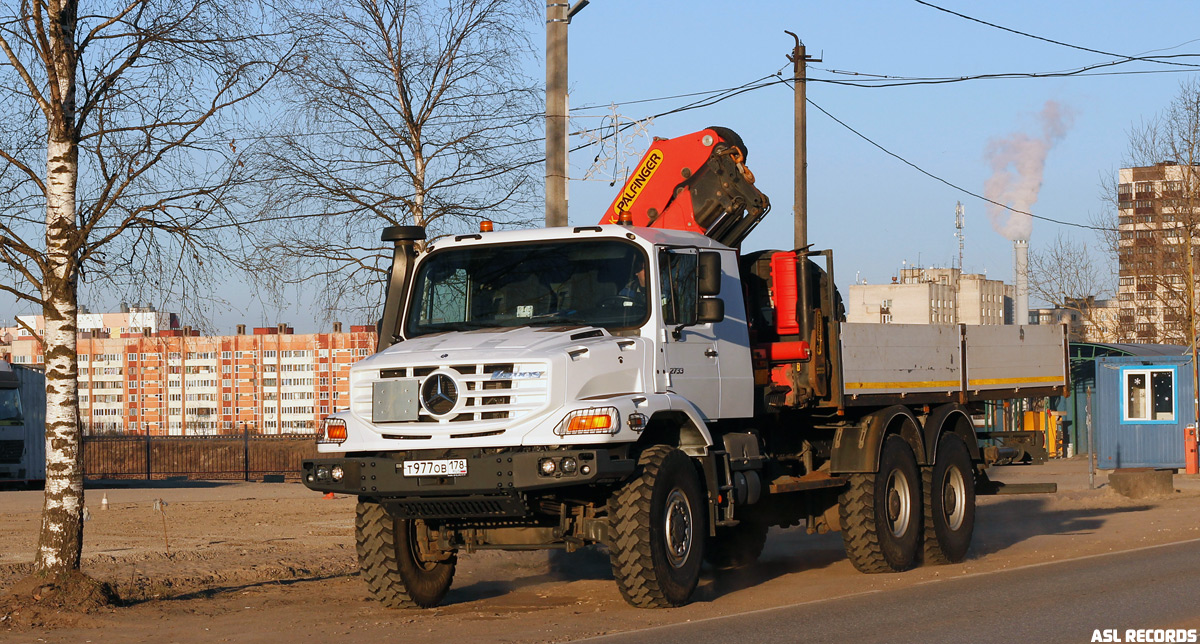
(507, 336)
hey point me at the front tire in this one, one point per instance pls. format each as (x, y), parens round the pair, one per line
(658, 529)
(949, 502)
(390, 563)
(881, 512)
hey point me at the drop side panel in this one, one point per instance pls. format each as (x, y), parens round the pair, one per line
(1015, 357)
(900, 358)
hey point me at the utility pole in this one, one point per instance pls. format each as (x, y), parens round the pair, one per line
(800, 181)
(556, 112)
(799, 77)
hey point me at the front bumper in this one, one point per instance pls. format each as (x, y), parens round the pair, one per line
(495, 484)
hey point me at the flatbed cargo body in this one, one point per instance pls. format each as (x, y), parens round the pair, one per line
(934, 363)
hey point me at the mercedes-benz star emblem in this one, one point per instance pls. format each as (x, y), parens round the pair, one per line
(439, 394)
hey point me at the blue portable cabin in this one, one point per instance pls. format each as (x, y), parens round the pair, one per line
(1083, 356)
(1140, 408)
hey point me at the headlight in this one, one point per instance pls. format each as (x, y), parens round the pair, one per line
(569, 465)
(547, 466)
(596, 420)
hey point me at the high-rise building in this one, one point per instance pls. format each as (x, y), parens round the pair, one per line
(174, 381)
(1155, 205)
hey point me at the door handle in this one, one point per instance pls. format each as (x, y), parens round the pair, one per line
(712, 353)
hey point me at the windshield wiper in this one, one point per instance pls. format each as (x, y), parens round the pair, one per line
(558, 319)
(462, 326)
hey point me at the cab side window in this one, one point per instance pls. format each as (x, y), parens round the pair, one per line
(679, 288)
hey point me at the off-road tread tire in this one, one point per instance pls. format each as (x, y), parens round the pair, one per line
(381, 547)
(860, 529)
(643, 581)
(936, 552)
(857, 512)
(736, 546)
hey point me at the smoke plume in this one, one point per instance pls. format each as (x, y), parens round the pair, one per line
(1017, 162)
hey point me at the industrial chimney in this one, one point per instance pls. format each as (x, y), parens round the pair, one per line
(1021, 270)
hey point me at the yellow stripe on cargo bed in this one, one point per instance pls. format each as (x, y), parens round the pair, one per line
(904, 385)
(1012, 381)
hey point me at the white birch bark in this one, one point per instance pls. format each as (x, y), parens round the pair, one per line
(60, 544)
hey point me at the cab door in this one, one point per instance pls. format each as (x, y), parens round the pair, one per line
(689, 350)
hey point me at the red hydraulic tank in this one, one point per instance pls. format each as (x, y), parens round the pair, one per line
(784, 293)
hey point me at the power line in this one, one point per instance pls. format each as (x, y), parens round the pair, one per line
(946, 182)
(1151, 59)
(879, 81)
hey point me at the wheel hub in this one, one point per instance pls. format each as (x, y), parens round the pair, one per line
(899, 503)
(954, 493)
(677, 528)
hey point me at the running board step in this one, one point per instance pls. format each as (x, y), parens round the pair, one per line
(814, 481)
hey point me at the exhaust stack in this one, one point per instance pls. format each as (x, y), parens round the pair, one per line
(404, 255)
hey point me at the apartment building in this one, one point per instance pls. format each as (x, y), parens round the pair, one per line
(174, 381)
(932, 296)
(1156, 205)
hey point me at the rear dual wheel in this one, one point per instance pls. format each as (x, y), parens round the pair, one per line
(950, 502)
(881, 512)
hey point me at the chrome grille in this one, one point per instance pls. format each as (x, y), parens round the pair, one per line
(490, 392)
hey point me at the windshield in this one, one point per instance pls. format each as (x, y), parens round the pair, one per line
(597, 283)
(10, 407)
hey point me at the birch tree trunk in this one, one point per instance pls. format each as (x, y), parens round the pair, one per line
(60, 543)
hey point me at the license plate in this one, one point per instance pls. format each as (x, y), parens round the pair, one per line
(447, 467)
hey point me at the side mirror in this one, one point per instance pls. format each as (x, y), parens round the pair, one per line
(710, 309)
(708, 271)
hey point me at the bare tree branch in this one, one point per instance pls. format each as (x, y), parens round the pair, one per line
(135, 124)
(431, 114)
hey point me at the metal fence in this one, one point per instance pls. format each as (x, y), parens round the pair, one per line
(246, 457)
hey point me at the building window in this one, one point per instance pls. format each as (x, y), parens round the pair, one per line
(1148, 395)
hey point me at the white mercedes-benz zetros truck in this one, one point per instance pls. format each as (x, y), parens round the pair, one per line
(649, 387)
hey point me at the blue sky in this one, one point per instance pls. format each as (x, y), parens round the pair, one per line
(874, 211)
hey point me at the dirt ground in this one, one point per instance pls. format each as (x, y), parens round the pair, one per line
(248, 562)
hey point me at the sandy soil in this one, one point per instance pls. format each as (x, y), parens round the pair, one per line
(257, 562)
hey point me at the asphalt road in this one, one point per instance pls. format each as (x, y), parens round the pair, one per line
(1149, 588)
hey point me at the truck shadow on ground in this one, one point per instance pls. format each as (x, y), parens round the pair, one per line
(786, 552)
(589, 563)
(1004, 524)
